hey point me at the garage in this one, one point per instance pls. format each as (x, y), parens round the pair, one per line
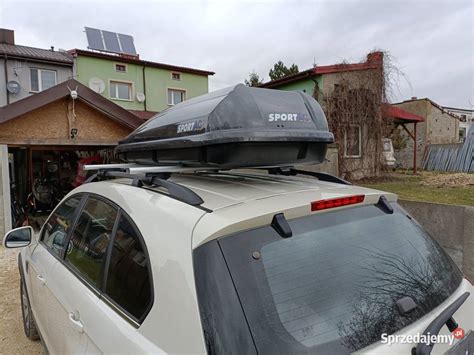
(46, 138)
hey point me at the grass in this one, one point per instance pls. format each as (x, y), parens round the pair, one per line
(414, 187)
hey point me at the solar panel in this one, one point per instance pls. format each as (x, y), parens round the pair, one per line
(126, 43)
(111, 42)
(94, 39)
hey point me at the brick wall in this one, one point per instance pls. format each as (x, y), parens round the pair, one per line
(50, 124)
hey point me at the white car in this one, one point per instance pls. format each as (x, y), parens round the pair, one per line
(388, 152)
(237, 262)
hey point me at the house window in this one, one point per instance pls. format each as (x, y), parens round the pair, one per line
(121, 68)
(176, 76)
(42, 79)
(120, 90)
(176, 96)
(353, 142)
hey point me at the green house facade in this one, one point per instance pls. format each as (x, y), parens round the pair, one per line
(306, 84)
(138, 85)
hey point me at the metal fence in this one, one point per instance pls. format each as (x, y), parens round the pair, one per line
(451, 157)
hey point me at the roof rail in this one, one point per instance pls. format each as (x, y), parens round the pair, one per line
(137, 168)
(320, 176)
(176, 191)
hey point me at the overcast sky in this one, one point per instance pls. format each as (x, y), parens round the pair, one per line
(432, 42)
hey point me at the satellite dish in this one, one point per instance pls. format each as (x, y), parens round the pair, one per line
(97, 85)
(140, 97)
(13, 87)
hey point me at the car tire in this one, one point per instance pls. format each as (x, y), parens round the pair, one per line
(29, 324)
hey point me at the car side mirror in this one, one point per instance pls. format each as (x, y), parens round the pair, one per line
(18, 237)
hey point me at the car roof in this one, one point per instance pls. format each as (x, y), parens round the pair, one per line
(237, 199)
(222, 190)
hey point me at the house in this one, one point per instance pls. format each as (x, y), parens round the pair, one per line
(351, 95)
(47, 136)
(25, 71)
(60, 110)
(141, 86)
(466, 120)
(438, 127)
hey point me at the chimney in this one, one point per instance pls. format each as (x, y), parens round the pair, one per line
(7, 36)
(375, 57)
(414, 98)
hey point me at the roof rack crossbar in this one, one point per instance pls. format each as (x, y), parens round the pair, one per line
(176, 191)
(318, 175)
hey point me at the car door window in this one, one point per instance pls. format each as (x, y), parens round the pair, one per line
(128, 279)
(59, 224)
(89, 239)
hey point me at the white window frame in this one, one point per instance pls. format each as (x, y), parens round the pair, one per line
(40, 83)
(172, 97)
(360, 142)
(175, 72)
(121, 64)
(130, 83)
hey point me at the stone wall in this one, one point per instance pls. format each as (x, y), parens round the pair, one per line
(452, 226)
(442, 127)
(404, 156)
(5, 213)
(330, 166)
(439, 128)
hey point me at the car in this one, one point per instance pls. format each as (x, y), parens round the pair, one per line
(388, 153)
(282, 261)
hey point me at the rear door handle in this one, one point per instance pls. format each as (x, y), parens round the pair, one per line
(75, 322)
(41, 279)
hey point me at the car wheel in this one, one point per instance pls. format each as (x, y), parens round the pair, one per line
(28, 321)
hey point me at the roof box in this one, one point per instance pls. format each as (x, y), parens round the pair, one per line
(233, 128)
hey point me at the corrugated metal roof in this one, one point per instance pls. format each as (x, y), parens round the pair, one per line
(16, 51)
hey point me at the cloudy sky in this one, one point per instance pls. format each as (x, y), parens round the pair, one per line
(431, 42)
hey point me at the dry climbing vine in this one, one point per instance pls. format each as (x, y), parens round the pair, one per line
(359, 99)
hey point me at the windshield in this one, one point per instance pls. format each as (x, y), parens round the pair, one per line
(333, 286)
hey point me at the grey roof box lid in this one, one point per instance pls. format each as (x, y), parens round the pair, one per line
(234, 127)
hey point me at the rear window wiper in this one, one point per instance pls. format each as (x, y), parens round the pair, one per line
(444, 318)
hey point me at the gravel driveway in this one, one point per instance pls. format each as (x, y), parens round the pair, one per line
(12, 337)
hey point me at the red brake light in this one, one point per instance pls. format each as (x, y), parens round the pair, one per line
(336, 202)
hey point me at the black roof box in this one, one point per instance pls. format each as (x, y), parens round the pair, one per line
(235, 127)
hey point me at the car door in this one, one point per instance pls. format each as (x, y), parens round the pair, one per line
(39, 263)
(43, 258)
(75, 281)
(127, 295)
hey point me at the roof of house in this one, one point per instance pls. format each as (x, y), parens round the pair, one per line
(467, 110)
(38, 54)
(439, 107)
(135, 60)
(374, 61)
(144, 115)
(62, 90)
(399, 114)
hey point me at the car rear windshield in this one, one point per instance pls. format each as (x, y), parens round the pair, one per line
(332, 287)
